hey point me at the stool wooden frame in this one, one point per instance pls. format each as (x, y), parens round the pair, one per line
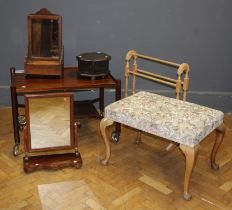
(181, 87)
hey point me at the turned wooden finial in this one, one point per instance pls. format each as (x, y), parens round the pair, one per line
(183, 68)
(130, 54)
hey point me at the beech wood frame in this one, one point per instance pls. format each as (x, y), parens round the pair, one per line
(190, 153)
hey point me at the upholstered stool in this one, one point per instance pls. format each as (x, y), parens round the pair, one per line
(178, 121)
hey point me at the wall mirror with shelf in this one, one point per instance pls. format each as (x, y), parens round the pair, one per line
(45, 54)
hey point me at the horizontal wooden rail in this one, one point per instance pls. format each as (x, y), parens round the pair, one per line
(153, 79)
(158, 60)
(156, 75)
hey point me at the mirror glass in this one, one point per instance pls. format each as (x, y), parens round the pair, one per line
(49, 122)
(44, 37)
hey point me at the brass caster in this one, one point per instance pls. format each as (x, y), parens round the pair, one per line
(77, 164)
(26, 158)
(16, 149)
(115, 137)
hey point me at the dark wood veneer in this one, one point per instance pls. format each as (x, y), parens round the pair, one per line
(70, 82)
(52, 162)
(48, 117)
(45, 52)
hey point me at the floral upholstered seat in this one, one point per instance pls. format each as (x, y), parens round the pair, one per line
(180, 121)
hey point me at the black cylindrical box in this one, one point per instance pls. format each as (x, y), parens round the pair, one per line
(93, 64)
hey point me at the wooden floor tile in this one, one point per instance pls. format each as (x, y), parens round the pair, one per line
(139, 176)
(155, 184)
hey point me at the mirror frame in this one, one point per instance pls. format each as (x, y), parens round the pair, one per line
(37, 66)
(27, 130)
(44, 14)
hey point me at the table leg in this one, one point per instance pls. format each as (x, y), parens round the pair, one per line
(191, 154)
(220, 132)
(101, 102)
(118, 97)
(14, 104)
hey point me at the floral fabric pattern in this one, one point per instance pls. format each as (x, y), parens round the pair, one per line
(179, 121)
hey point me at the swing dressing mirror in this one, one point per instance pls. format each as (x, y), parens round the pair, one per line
(51, 130)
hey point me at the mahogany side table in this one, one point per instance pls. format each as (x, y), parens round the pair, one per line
(70, 82)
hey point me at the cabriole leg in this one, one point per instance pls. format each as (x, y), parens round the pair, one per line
(103, 124)
(220, 132)
(191, 157)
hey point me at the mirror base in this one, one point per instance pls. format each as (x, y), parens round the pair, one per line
(52, 162)
(46, 68)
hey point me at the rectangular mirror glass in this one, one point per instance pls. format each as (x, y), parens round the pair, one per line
(49, 122)
(44, 37)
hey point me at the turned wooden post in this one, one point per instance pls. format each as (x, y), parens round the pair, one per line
(127, 68)
(134, 70)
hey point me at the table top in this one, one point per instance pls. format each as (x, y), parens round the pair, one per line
(69, 82)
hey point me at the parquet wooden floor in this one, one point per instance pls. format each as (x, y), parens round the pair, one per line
(139, 177)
